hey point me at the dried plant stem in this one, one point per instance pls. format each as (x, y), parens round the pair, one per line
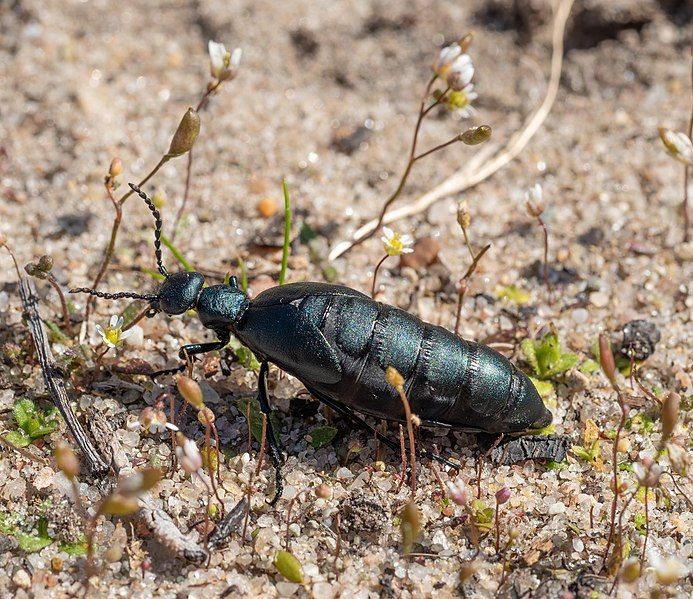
(481, 166)
(287, 540)
(375, 273)
(263, 443)
(647, 531)
(63, 304)
(468, 243)
(614, 503)
(410, 432)
(210, 467)
(403, 457)
(463, 284)
(497, 519)
(117, 219)
(545, 270)
(11, 446)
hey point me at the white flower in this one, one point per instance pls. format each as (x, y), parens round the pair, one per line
(446, 57)
(457, 491)
(113, 335)
(223, 65)
(647, 473)
(678, 144)
(668, 570)
(461, 101)
(460, 73)
(534, 200)
(153, 420)
(188, 454)
(396, 244)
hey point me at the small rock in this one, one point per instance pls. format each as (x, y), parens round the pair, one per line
(323, 590)
(599, 299)
(684, 251)
(639, 337)
(425, 253)
(22, 579)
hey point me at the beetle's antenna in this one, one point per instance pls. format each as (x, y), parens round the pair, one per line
(157, 227)
(113, 296)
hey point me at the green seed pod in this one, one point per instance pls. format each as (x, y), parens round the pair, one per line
(475, 135)
(186, 134)
(289, 566)
(45, 263)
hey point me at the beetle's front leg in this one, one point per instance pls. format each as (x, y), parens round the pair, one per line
(275, 454)
(192, 349)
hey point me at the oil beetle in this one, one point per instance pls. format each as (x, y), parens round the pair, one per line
(338, 342)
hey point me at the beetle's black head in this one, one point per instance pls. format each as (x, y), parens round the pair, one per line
(179, 292)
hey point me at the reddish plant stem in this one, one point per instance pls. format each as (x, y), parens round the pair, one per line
(545, 270)
(463, 284)
(63, 304)
(375, 273)
(403, 455)
(263, 442)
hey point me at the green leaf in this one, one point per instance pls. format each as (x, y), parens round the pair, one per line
(18, 438)
(289, 566)
(321, 436)
(56, 333)
(24, 412)
(528, 348)
(256, 419)
(31, 544)
(77, 549)
(589, 366)
(544, 388)
(287, 233)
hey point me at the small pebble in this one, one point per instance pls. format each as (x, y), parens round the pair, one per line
(22, 579)
(267, 207)
(599, 299)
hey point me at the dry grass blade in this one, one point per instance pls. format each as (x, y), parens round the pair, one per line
(482, 165)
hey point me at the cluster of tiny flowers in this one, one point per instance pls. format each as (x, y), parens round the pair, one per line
(396, 244)
(457, 69)
(113, 335)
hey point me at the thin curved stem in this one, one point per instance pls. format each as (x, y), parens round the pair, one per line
(375, 273)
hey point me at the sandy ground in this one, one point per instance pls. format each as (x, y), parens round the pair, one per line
(83, 82)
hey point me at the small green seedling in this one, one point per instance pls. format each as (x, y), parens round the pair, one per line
(256, 418)
(513, 294)
(33, 423)
(29, 543)
(321, 436)
(547, 357)
(482, 514)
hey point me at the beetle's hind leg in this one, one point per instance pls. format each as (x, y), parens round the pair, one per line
(361, 423)
(273, 446)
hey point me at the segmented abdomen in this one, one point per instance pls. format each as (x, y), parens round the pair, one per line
(447, 379)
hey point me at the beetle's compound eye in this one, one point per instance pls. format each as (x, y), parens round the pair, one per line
(179, 292)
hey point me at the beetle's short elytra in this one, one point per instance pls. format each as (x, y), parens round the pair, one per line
(338, 342)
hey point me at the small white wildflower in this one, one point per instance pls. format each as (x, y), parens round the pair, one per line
(188, 454)
(668, 570)
(647, 473)
(677, 144)
(153, 420)
(461, 101)
(457, 491)
(396, 244)
(460, 73)
(534, 200)
(446, 58)
(113, 335)
(223, 64)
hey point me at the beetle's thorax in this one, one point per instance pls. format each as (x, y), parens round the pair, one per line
(221, 306)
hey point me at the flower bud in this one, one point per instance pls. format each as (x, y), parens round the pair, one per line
(33, 270)
(466, 41)
(394, 378)
(502, 495)
(631, 570)
(679, 459)
(3, 240)
(534, 201)
(457, 492)
(186, 134)
(45, 263)
(606, 359)
(116, 168)
(66, 459)
(670, 414)
(153, 420)
(191, 392)
(188, 454)
(677, 144)
(464, 217)
(205, 416)
(323, 491)
(119, 505)
(475, 135)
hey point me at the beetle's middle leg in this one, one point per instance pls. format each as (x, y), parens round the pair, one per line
(275, 454)
(192, 349)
